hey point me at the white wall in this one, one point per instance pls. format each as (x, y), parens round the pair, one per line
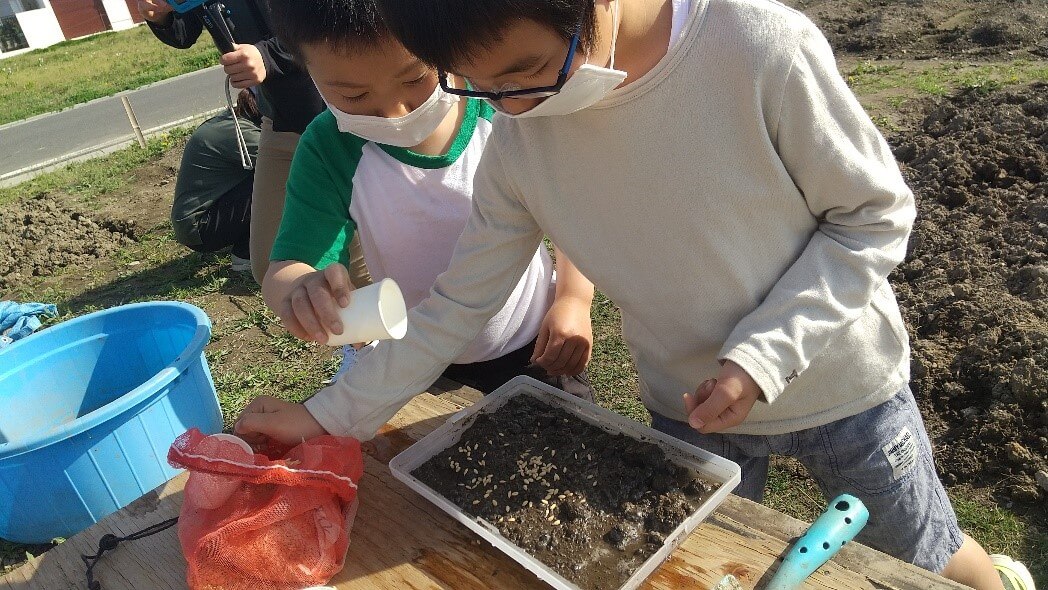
(119, 15)
(40, 27)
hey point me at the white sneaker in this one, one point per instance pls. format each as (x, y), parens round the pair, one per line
(238, 264)
(1014, 574)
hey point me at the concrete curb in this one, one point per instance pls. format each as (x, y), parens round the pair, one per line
(27, 173)
(129, 91)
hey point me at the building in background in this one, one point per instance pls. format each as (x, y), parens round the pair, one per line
(32, 24)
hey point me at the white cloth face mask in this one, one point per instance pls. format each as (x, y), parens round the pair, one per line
(407, 131)
(585, 88)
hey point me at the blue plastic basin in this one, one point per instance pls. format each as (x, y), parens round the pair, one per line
(88, 409)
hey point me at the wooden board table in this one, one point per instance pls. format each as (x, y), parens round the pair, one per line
(400, 540)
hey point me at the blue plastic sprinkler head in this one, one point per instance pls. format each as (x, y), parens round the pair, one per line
(839, 523)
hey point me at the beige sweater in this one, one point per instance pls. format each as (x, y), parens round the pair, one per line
(735, 202)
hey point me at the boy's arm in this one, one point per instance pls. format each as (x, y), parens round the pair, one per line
(277, 59)
(177, 30)
(565, 338)
(852, 184)
(492, 253)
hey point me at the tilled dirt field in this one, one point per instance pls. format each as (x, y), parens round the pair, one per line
(974, 287)
(931, 29)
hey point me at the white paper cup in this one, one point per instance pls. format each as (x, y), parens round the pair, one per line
(375, 312)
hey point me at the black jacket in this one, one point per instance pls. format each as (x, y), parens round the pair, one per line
(289, 97)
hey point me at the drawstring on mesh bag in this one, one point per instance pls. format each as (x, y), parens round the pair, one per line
(109, 542)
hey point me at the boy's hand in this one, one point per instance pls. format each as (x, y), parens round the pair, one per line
(314, 303)
(271, 418)
(565, 338)
(719, 404)
(244, 66)
(154, 11)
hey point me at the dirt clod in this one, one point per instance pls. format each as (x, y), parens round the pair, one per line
(974, 288)
(39, 237)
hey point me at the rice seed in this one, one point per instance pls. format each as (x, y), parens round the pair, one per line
(556, 523)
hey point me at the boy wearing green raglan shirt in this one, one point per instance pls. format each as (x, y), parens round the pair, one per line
(704, 163)
(392, 161)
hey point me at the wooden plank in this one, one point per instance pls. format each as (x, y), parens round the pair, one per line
(880, 568)
(400, 540)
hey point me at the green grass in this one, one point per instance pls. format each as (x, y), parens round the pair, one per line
(74, 72)
(942, 78)
(90, 179)
(1000, 530)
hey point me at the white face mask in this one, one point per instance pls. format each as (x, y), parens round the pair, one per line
(585, 88)
(407, 131)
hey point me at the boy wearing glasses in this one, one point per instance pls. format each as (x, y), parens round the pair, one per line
(392, 161)
(705, 165)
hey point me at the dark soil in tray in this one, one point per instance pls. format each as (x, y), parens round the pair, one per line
(589, 504)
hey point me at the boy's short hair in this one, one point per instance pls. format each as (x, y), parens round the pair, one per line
(448, 33)
(345, 25)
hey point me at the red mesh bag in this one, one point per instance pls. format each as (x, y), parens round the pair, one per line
(276, 521)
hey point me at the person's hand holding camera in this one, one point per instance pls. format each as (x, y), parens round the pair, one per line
(155, 11)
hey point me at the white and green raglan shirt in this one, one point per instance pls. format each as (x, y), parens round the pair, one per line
(409, 209)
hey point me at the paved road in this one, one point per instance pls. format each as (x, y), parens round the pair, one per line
(46, 140)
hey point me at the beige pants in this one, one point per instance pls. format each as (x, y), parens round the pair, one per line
(275, 150)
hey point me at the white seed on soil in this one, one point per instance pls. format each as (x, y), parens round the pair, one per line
(560, 496)
(494, 503)
(511, 519)
(553, 453)
(583, 445)
(556, 477)
(556, 523)
(475, 502)
(545, 501)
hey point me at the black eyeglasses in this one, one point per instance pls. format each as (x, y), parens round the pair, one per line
(539, 92)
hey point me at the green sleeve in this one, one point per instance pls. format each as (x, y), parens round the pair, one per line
(316, 227)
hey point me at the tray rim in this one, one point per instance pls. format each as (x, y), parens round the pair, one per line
(724, 472)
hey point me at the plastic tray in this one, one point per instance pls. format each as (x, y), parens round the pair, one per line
(718, 471)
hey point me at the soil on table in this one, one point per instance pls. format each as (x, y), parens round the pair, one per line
(592, 505)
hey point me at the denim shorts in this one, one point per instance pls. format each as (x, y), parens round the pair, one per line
(881, 456)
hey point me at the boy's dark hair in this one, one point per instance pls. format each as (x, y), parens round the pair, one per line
(448, 33)
(247, 107)
(345, 25)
